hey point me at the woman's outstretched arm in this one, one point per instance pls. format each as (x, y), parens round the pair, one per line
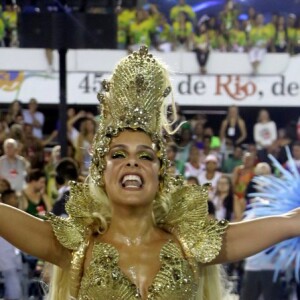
(246, 238)
(32, 235)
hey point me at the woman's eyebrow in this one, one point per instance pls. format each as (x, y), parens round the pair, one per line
(139, 147)
(145, 147)
(118, 146)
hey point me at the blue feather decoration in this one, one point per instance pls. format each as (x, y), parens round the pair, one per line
(276, 196)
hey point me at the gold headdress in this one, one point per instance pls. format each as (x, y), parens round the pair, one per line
(133, 98)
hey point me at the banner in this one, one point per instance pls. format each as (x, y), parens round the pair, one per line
(189, 89)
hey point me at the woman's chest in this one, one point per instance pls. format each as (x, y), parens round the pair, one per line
(166, 275)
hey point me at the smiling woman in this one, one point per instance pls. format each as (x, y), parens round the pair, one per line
(134, 231)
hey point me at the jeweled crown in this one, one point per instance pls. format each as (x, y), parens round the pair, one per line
(133, 98)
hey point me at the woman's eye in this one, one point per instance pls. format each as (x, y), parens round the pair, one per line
(118, 154)
(145, 156)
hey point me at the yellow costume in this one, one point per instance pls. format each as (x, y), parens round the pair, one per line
(133, 99)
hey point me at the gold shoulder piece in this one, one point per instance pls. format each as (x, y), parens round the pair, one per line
(68, 233)
(200, 236)
(81, 205)
(72, 231)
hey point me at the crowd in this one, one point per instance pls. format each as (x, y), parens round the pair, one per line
(231, 30)
(37, 180)
(227, 31)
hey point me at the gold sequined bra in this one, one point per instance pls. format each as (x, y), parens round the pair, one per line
(104, 279)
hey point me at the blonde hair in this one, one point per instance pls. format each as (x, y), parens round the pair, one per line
(59, 288)
(213, 284)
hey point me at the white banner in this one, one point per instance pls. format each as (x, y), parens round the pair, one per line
(189, 89)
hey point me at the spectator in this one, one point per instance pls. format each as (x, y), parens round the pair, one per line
(171, 155)
(73, 117)
(192, 180)
(206, 149)
(140, 30)
(14, 110)
(233, 160)
(220, 44)
(261, 169)
(296, 41)
(210, 174)
(286, 136)
(198, 135)
(183, 32)
(33, 149)
(225, 202)
(291, 32)
(66, 171)
(16, 133)
(259, 40)
(258, 279)
(13, 167)
(212, 28)
(264, 133)
(251, 20)
(295, 155)
(10, 257)
(164, 37)
(193, 166)
(182, 7)
(233, 129)
(198, 118)
(2, 30)
(215, 143)
(35, 118)
(50, 172)
(217, 42)
(237, 38)
(201, 45)
(241, 177)
(281, 41)
(184, 145)
(228, 15)
(84, 142)
(34, 199)
(125, 16)
(10, 16)
(271, 31)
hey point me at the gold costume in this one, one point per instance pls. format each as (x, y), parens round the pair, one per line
(133, 99)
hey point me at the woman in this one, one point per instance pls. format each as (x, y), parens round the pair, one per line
(193, 166)
(264, 133)
(135, 232)
(241, 177)
(225, 202)
(34, 199)
(14, 110)
(281, 40)
(83, 144)
(210, 174)
(201, 45)
(233, 129)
